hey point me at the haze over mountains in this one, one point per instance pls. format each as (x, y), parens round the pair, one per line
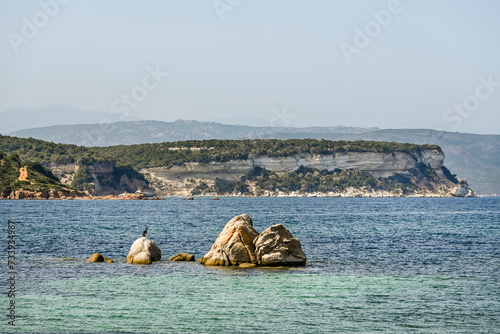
(56, 114)
(473, 157)
(139, 132)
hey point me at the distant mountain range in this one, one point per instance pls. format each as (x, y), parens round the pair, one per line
(139, 132)
(57, 114)
(472, 156)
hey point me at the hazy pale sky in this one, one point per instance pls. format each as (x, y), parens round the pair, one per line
(433, 64)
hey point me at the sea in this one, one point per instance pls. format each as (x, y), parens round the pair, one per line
(375, 265)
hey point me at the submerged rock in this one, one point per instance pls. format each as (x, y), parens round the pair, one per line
(96, 257)
(234, 244)
(182, 257)
(143, 251)
(276, 246)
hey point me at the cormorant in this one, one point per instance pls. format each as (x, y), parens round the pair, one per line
(145, 232)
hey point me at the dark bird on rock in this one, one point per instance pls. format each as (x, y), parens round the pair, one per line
(145, 232)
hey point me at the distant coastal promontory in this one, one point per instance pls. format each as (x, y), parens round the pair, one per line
(270, 167)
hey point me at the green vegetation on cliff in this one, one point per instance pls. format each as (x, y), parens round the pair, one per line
(42, 152)
(9, 171)
(474, 157)
(176, 153)
(125, 160)
(310, 180)
(36, 178)
(84, 181)
(204, 151)
(47, 152)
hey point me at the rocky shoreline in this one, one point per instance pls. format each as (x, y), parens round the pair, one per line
(132, 197)
(70, 195)
(460, 190)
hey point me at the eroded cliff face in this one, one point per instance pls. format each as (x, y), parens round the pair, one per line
(177, 180)
(379, 164)
(102, 178)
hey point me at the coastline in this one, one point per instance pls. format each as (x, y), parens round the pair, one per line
(72, 195)
(321, 195)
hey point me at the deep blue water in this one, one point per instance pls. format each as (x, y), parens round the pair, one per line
(391, 265)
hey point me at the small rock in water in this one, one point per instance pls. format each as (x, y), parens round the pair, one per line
(96, 257)
(144, 251)
(182, 257)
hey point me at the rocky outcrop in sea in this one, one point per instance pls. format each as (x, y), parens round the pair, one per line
(462, 190)
(234, 244)
(276, 246)
(144, 251)
(239, 244)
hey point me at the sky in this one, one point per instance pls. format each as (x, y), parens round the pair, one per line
(387, 64)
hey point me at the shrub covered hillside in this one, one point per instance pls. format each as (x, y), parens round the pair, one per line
(177, 153)
(92, 171)
(310, 180)
(29, 176)
(113, 170)
(47, 152)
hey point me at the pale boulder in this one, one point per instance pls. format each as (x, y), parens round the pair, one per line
(462, 190)
(234, 245)
(144, 251)
(276, 246)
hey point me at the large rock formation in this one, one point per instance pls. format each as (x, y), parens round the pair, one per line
(100, 178)
(462, 190)
(276, 246)
(411, 168)
(144, 251)
(234, 244)
(240, 244)
(379, 164)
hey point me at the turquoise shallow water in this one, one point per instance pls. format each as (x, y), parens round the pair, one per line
(375, 265)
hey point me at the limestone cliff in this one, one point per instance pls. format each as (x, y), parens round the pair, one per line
(424, 170)
(102, 178)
